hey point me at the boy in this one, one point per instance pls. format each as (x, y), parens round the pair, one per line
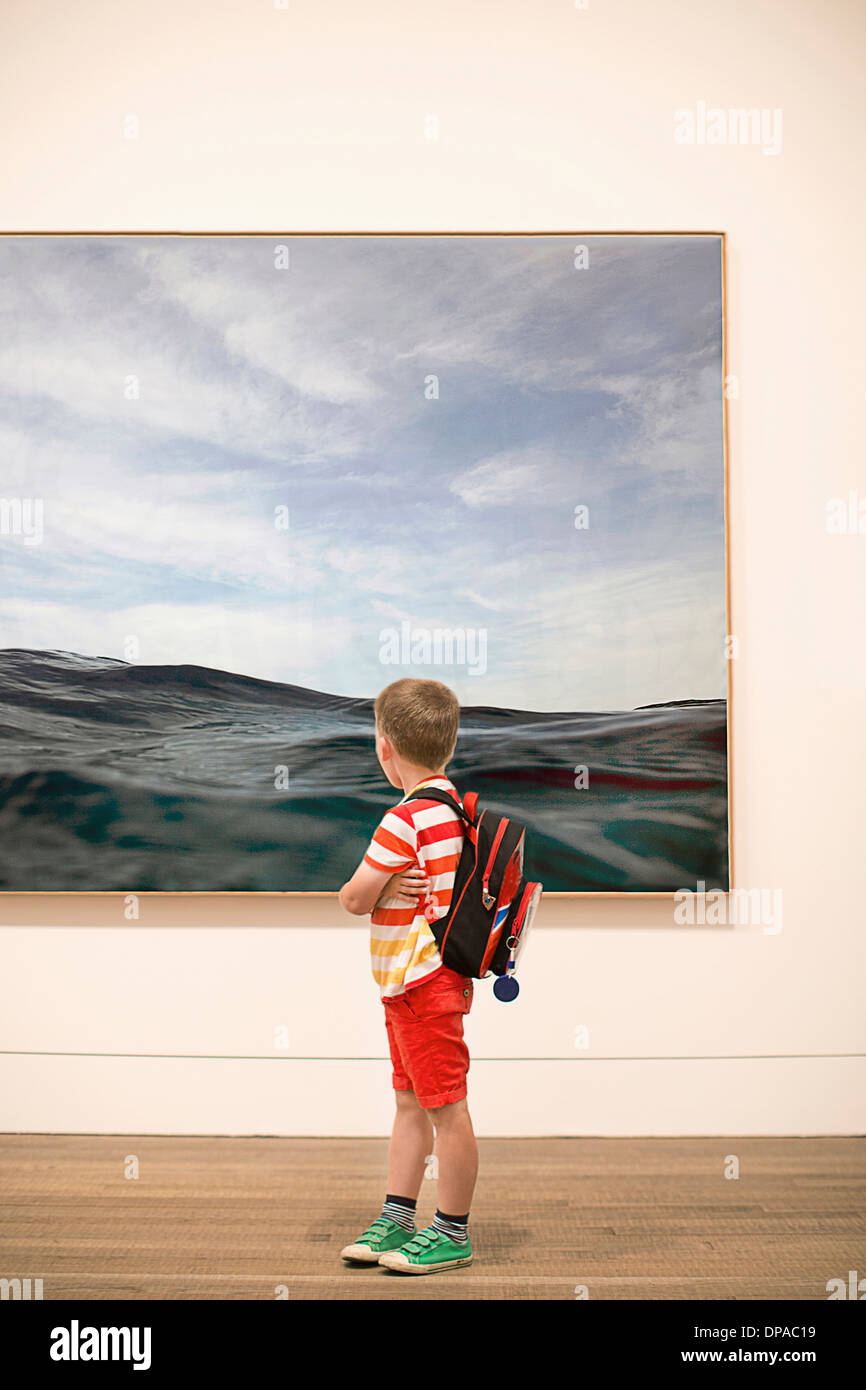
(405, 881)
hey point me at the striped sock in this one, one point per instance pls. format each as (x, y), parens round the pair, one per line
(401, 1210)
(454, 1227)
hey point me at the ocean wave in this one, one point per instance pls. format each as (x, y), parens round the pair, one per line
(125, 777)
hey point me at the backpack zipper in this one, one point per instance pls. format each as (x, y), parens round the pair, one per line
(497, 840)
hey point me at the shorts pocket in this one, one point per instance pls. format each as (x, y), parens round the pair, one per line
(442, 995)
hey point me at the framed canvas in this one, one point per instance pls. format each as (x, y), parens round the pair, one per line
(251, 479)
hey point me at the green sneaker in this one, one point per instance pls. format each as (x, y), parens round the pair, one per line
(426, 1252)
(382, 1235)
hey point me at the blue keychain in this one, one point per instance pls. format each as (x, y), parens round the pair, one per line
(506, 988)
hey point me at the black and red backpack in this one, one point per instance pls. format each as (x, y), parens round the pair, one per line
(493, 904)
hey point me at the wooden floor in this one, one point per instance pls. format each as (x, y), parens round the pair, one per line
(220, 1218)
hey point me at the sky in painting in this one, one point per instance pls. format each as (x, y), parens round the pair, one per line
(259, 388)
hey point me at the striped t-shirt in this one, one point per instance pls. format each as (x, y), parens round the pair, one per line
(403, 950)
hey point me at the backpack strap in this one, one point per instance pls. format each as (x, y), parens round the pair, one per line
(445, 798)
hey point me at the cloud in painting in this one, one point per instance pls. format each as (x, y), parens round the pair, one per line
(257, 389)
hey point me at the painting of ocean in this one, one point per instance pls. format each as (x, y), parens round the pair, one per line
(238, 470)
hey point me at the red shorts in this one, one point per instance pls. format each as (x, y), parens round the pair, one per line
(425, 1035)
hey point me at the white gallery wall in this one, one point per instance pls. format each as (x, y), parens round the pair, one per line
(259, 1016)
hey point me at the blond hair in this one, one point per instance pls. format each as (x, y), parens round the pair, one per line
(421, 719)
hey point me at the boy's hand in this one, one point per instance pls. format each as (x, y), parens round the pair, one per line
(409, 886)
(368, 887)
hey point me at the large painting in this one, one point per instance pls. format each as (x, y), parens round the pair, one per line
(250, 480)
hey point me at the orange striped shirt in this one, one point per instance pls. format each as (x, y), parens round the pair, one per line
(403, 949)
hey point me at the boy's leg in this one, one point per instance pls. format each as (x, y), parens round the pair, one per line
(458, 1157)
(437, 1059)
(411, 1142)
(412, 1135)
(445, 1244)
(412, 1139)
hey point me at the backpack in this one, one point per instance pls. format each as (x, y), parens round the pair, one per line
(492, 905)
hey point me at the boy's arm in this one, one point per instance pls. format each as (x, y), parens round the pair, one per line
(390, 853)
(364, 889)
(408, 886)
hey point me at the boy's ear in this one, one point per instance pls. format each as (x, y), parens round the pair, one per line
(386, 748)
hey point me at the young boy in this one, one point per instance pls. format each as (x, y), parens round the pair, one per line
(405, 881)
